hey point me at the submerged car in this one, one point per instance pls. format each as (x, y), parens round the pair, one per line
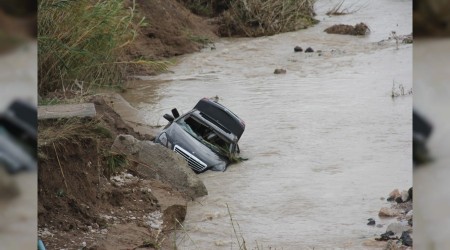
(207, 136)
(18, 137)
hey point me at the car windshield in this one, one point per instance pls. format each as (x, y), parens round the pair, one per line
(206, 135)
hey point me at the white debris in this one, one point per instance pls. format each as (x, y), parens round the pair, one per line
(146, 190)
(45, 233)
(108, 217)
(123, 178)
(154, 220)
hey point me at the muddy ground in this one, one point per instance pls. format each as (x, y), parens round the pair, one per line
(81, 204)
(181, 32)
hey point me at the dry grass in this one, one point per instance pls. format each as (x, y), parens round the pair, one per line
(266, 17)
(80, 43)
(339, 10)
(399, 90)
(70, 130)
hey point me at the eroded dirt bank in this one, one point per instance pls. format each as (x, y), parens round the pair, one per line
(91, 197)
(87, 201)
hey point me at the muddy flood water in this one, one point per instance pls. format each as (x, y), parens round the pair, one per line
(18, 217)
(325, 141)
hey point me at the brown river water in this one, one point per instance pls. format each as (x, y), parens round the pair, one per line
(18, 217)
(431, 185)
(325, 141)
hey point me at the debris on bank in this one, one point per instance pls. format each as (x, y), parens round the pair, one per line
(398, 235)
(103, 185)
(360, 29)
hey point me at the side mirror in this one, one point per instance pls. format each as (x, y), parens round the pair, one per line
(168, 117)
(175, 113)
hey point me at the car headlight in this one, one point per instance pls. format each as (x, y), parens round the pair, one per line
(220, 166)
(162, 139)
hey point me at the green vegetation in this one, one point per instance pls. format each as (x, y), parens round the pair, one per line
(115, 163)
(81, 43)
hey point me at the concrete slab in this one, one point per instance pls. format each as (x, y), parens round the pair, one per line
(66, 111)
(130, 115)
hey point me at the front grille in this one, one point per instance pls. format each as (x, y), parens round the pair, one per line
(193, 162)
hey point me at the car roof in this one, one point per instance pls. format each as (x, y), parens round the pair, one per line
(222, 117)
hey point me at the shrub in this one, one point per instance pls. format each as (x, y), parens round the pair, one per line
(267, 17)
(81, 41)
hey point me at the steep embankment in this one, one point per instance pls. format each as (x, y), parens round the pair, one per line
(90, 196)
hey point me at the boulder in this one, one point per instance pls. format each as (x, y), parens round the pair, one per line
(388, 212)
(405, 196)
(298, 49)
(371, 222)
(158, 162)
(393, 195)
(309, 50)
(126, 144)
(406, 239)
(279, 71)
(398, 228)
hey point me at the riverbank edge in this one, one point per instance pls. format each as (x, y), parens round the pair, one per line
(82, 205)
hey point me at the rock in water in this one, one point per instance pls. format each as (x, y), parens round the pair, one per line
(371, 222)
(309, 50)
(388, 212)
(393, 195)
(405, 196)
(397, 228)
(298, 49)
(406, 239)
(279, 71)
(156, 161)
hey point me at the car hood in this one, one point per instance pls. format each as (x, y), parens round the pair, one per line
(178, 136)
